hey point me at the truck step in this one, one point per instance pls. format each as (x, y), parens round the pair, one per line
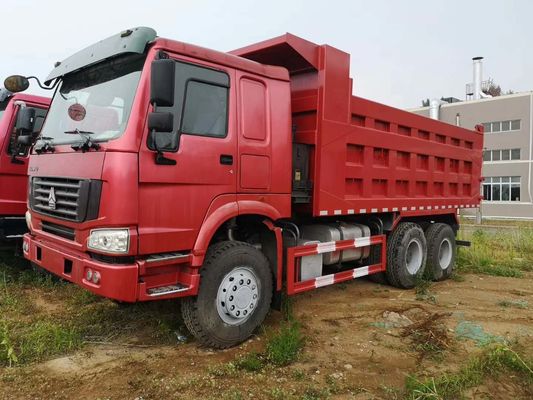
(165, 257)
(163, 290)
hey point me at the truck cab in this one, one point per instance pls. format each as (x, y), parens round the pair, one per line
(130, 182)
(20, 114)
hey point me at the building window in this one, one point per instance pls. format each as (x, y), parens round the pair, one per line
(501, 155)
(502, 126)
(501, 188)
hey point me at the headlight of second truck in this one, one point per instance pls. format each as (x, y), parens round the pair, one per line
(114, 241)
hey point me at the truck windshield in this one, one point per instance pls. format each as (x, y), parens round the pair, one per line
(97, 99)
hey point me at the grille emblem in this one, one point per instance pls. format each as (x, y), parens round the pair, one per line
(52, 199)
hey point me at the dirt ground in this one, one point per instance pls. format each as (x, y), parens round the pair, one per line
(357, 346)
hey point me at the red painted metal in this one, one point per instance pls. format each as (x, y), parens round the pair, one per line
(365, 158)
(279, 252)
(369, 157)
(294, 254)
(14, 177)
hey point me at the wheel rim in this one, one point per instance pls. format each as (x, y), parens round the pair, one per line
(413, 256)
(238, 295)
(445, 254)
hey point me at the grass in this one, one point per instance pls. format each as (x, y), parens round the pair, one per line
(507, 253)
(513, 303)
(495, 360)
(283, 347)
(42, 317)
(423, 290)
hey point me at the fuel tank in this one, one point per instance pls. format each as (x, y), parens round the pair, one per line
(334, 232)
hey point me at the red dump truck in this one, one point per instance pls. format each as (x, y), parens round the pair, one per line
(168, 170)
(20, 115)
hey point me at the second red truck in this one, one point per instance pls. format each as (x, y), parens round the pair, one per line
(21, 115)
(169, 170)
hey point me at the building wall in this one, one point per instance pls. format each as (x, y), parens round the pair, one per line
(502, 108)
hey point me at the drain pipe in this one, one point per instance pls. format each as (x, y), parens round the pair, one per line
(434, 109)
(530, 145)
(478, 73)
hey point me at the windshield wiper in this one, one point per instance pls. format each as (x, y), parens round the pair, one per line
(86, 144)
(45, 146)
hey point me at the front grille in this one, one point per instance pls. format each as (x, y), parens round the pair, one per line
(58, 230)
(66, 198)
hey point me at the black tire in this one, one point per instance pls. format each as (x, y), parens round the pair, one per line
(380, 277)
(201, 314)
(442, 251)
(407, 240)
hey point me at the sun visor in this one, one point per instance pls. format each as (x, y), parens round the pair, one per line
(129, 41)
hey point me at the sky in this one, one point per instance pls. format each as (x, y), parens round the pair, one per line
(401, 51)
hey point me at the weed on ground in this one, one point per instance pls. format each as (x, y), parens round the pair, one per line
(494, 360)
(429, 337)
(42, 317)
(507, 253)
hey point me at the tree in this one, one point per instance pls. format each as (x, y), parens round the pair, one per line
(494, 90)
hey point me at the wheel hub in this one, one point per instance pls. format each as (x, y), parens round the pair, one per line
(445, 254)
(238, 295)
(413, 256)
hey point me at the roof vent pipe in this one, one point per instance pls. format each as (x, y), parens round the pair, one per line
(434, 109)
(478, 77)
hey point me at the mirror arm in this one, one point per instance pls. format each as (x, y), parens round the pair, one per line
(16, 160)
(41, 85)
(15, 155)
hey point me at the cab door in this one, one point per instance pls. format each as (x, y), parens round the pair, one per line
(14, 171)
(174, 199)
(255, 158)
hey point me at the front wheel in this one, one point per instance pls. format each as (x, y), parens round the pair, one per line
(234, 295)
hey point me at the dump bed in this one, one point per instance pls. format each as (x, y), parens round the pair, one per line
(366, 157)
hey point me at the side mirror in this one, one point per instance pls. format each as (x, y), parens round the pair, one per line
(25, 141)
(162, 82)
(161, 136)
(25, 120)
(16, 83)
(160, 121)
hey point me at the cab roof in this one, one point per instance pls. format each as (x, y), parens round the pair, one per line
(221, 58)
(138, 40)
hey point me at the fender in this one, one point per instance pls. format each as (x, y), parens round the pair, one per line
(279, 251)
(258, 207)
(222, 209)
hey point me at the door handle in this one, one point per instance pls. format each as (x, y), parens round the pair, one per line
(226, 159)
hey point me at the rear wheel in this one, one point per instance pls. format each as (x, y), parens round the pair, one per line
(442, 251)
(234, 295)
(406, 255)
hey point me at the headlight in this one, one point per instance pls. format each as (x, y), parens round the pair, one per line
(110, 240)
(28, 220)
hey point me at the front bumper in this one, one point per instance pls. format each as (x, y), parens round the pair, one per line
(122, 282)
(12, 227)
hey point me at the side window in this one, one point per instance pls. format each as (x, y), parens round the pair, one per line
(40, 115)
(200, 106)
(205, 111)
